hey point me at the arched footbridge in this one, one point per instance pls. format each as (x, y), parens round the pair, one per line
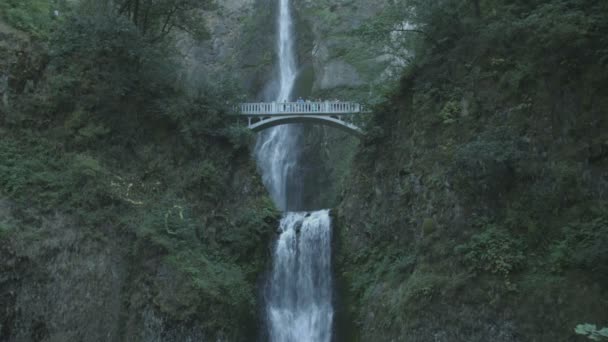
(264, 115)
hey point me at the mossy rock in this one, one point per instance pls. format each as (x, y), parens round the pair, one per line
(428, 226)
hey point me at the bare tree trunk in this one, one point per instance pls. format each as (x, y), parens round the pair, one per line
(477, 8)
(145, 23)
(136, 12)
(125, 7)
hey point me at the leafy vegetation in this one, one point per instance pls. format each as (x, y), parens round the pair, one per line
(493, 250)
(157, 19)
(110, 136)
(486, 166)
(37, 17)
(583, 246)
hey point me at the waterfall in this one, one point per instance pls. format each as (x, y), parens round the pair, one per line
(299, 307)
(277, 149)
(299, 290)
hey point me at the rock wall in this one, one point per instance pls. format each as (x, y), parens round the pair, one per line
(61, 280)
(331, 56)
(465, 217)
(65, 286)
(22, 63)
(241, 46)
(343, 63)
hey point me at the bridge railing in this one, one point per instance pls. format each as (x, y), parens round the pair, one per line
(278, 108)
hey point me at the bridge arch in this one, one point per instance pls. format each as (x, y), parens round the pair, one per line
(308, 119)
(264, 115)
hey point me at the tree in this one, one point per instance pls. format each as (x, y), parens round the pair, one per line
(157, 18)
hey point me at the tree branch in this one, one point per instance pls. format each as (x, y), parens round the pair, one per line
(428, 36)
(124, 7)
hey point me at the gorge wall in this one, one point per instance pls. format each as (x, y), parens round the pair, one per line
(334, 63)
(111, 231)
(474, 210)
(333, 60)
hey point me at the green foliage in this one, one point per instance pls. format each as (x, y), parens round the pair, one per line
(421, 286)
(174, 219)
(166, 222)
(32, 16)
(211, 179)
(249, 232)
(104, 66)
(113, 138)
(529, 155)
(450, 112)
(203, 111)
(106, 75)
(429, 226)
(380, 263)
(72, 182)
(24, 177)
(592, 332)
(488, 163)
(83, 130)
(219, 258)
(392, 28)
(240, 136)
(584, 245)
(220, 293)
(5, 230)
(493, 250)
(157, 19)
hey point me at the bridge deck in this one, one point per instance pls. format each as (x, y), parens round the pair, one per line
(299, 108)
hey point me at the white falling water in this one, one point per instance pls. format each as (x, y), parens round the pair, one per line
(300, 302)
(299, 293)
(277, 149)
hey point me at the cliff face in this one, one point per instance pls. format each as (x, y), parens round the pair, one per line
(334, 63)
(126, 277)
(476, 210)
(155, 239)
(431, 249)
(340, 59)
(241, 46)
(331, 57)
(22, 63)
(153, 245)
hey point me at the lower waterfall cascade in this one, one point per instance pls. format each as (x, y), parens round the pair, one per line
(299, 303)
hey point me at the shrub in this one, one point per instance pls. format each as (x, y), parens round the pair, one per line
(429, 226)
(493, 250)
(105, 57)
(32, 16)
(584, 245)
(487, 165)
(239, 136)
(5, 230)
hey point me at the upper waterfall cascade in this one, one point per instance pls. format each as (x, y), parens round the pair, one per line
(278, 149)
